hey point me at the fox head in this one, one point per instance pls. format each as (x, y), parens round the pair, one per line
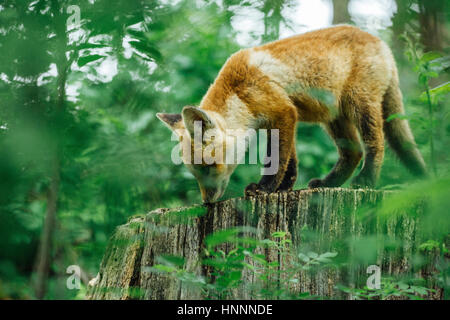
(203, 143)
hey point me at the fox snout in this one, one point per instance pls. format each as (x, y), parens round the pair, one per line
(210, 195)
(212, 192)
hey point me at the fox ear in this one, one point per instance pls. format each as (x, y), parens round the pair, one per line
(173, 121)
(193, 114)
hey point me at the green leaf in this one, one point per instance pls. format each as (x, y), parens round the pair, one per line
(323, 260)
(248, 266)
(163, 268)
(303, 257)
(396, 116)
(235, 275)
(431, 74)
(139, 35)
(402, 286)
(437, 92)
(420, 290)
(86, 59)
(429, 56)
(429, 245)
(147, 49)
(279, 234)
(328, 255)
(88, 46)
(268, 242)
(441, 90)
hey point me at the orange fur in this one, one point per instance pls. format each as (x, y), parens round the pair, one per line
(341, 77)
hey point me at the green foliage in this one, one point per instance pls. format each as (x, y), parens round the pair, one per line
(227, 270)
(428, 65)
(390, 289)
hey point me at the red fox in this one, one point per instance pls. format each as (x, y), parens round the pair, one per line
(277, 84)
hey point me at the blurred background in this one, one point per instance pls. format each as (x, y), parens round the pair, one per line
(81, 81)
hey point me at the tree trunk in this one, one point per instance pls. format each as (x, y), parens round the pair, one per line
(340, 12)
(44, 257)
(399, 22)
(272, 19)
(432, 23)
(333, 214)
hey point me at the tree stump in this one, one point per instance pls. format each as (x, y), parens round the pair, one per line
(333, 214)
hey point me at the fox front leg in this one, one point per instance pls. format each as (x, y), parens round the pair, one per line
(291, 173)
(277, 149)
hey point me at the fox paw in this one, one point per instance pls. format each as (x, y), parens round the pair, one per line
(361, 182)
(254, 189)
(316, 183)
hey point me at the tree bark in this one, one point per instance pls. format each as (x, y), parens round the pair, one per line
(432, 23)
(333, 214)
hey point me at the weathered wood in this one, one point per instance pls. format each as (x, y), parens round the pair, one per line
(331, 213)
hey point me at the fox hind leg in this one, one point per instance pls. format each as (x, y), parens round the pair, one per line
(371, 131)
(347, 141)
